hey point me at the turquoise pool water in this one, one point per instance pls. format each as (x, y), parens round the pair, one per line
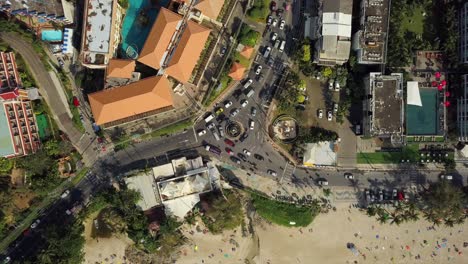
(51, 35)
(422, 120)
(134, 32)
(6, 146)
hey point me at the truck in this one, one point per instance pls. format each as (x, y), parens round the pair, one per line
(213, 149)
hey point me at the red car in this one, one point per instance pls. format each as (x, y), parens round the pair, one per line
(229, 142)
(229, 151)
(273, 5)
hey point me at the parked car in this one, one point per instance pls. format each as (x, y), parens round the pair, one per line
(337, 86)
(271, 62)
(227, 104)
(394, 194)
(251, 124)
(221, 130)
(266, 53)
(272, 173)
(244, 103)
(244, 137)
(259, 69)
(210, 125)
(246, 152)
(35, 223)
(258, 156)
(61, 63)
(348, 176)
(235, 160)
(330, 85)
(219, 111)
(229, 142)
(282, 23)
(201, 132)
(273, 5)
(322, 182)
(335, 108)
(269, 20)
(223, 51)
(274, 36)
(446, 177)
(381, 197)
(229, 151)
(65, 194)
(235, 112)
(253, 111)
(279, 11)
(368, 196)
(329, 116)
(248, 83)
(275, 22)
(320, 113)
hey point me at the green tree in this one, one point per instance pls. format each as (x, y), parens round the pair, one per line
(36, 164)
(306, 53)
(327, 72)
(52, 148)
(444, 203)
(223, 214)
(5, 165)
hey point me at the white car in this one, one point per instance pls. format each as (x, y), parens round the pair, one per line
(65, 194)
(281, 26)
(329, 116)
(274, 36)
(320, 113)
(248, 83)
(275, 22)
(348, 176)
(335, 108)
(272, 173)
(447, 177)
(201, 132)
(244, 103)
(35, 224)
(337, 86)
(323, 182)
(252, 125)
(228, 104)
(259, 69)
(330, 85)
(269, 19)
(235, 112)
(246, 152)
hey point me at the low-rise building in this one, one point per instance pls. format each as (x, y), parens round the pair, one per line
(384, 106)
(176, 185)
(101, 32)
(370, 41)
(334, 41)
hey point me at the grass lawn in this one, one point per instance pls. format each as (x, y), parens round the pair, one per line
(242, 60)
(177, 127)
(414, 23)
(410, 152)
(283, 213)
(224, 83)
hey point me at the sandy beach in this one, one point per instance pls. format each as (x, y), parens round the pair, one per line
(325, 241)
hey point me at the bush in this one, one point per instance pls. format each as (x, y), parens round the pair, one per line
(283, 213)
(316, 134)
(6, 165)
(248, 36)
(222, 214)
(306, 53)
(300, 98)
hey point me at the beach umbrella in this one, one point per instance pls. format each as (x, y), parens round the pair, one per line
(444, 82)
(447, 103)
(440, 87)
(447, 93)
(437, 74)
(434, 84)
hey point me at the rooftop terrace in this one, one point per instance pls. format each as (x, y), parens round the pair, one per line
(99, 25)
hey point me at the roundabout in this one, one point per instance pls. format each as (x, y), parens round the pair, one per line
(234, 129)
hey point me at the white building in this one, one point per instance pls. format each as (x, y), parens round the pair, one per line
(334, 44)
(176, 186)
(464, 33)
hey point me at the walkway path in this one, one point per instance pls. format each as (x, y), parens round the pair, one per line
(50, 91)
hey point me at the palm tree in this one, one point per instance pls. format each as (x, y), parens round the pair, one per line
(371, 210)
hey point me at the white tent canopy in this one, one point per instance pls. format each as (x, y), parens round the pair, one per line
(413, 97)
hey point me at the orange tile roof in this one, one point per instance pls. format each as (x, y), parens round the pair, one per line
(118, 68)
(188, 51)
(210, 8)
(247, 52)
(136, 98)
(159, 38)
(237, 71)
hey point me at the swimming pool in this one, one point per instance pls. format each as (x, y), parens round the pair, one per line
(423, 120)
(6, 145)
(134, 32)
(51, 35)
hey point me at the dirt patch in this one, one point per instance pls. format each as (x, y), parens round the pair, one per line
(17, 177)
(22, 200)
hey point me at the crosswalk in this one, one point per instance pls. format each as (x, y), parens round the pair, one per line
(288, 171)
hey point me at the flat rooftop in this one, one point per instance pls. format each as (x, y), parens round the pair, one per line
(99, 25)
(47, 7)
(144, 183)
(374, 31)
(196, 181)
(387, 110)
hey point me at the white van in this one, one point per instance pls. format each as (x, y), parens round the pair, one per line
(250, 93)
(216, 135)
(248, 83)
(281, 48)
(209, 118)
